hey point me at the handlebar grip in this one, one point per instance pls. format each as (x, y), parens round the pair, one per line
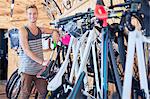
(58, 24)
(54, 44)
(73, 16)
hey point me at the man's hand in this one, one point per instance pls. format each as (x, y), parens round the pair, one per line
(55, 35)
(45, 62)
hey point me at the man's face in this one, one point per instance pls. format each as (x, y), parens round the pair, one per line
(32, 15)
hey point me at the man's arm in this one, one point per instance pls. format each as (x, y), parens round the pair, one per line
(23, 37)
(54, 32)
(48, 31)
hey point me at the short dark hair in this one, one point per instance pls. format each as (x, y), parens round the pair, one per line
(31, 6)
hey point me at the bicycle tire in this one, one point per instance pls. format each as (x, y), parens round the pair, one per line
(13, 85)
(10, 81)
(14, 93)
(16, 89)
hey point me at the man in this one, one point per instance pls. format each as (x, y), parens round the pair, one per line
(31, 55)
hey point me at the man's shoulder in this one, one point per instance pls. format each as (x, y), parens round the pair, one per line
(22, 29)
(40, 28)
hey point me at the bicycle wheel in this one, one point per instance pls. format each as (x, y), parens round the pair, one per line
(16, 88)
(14, 93)
(10, 81)
(52, 8)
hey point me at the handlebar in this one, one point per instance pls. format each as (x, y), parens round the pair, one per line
(75, 17)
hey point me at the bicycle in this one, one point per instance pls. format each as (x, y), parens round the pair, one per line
(137, 38)
(130, 27)
(86, 53)
(11, 79)
(104, 17)
(83, 60)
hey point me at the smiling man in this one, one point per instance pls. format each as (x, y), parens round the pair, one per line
(31, 58)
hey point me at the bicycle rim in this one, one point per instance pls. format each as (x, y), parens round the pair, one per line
(16, 90)
(52, 8)
(10, 81)
(13, 85)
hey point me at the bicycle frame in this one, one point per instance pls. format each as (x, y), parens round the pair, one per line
(90, 44)
(75, 66)
(135, 41)
(106, 47)
(58, 78)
